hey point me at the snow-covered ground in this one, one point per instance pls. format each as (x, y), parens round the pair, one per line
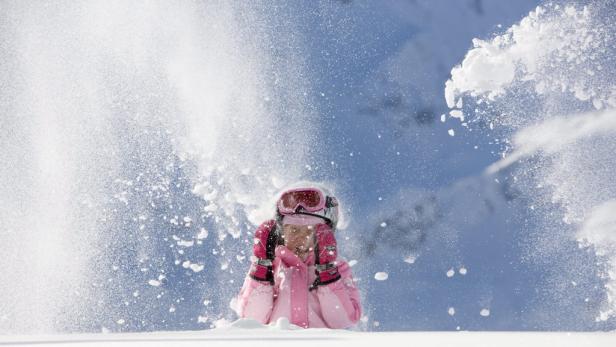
(308, 338)
(250, 333)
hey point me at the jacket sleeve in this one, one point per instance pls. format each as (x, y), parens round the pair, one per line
(339, 300)
(255, 300)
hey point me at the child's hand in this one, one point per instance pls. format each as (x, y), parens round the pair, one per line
(261, 239)
(327, 253)
(326, 245)
(262, 250)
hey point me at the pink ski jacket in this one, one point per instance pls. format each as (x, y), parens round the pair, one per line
(335, 305)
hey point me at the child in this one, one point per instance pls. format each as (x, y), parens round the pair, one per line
(296, 272)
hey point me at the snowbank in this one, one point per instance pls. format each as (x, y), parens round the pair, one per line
(251, 333)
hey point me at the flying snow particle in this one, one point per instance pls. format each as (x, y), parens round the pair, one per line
(462, 271)
(185, 243)
(120, 321)
(154, 283)
(224, 265)
(410, 259)
(457, 114)
(450, 273)
(193, 266)
(210, 208)
(451, 311)
(381, 276)
(451, 132)
(485, 312)
(352, 262)
(196, 267)
(202, 234)
(383, 225)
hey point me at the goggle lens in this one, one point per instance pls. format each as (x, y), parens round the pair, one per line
(306, 198)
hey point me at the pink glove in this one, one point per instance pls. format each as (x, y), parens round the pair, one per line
(326, 255)
(263, 250)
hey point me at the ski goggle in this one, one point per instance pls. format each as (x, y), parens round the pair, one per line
(309, 199)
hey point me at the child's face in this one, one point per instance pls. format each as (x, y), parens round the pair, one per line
(298, 238)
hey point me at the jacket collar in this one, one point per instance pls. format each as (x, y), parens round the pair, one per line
(291, 259)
